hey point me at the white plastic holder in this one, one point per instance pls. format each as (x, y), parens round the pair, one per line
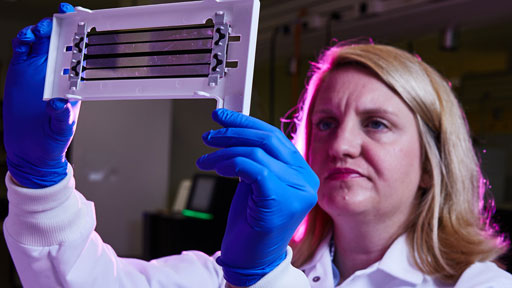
(233, 91)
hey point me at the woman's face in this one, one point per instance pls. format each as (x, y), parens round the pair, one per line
(364, 147)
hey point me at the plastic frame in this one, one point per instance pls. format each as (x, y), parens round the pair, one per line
(232, 90)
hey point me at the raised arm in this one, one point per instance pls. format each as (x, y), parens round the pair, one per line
(277, 189)
(50, 226)
(36, 133)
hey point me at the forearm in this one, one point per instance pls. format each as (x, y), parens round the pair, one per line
(283, 276)
(43, 217)
(50, 235)
(42, 226)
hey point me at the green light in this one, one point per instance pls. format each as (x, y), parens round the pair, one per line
(197, 214)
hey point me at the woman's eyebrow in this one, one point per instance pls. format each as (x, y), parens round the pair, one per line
(365, 112)
(377, 111)
(321, 111)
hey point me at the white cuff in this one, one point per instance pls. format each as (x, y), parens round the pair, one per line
(48, 216)
(284, 275)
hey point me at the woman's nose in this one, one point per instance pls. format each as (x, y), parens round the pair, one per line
(346, 142)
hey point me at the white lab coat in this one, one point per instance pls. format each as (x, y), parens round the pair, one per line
(51, 238)
(50, 234)
(396, 269)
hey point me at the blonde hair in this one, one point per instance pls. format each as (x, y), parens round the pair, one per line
(451, 229)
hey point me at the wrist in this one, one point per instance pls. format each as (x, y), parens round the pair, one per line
(284, 275)
(30, 176)
(232, 286)
(244, 277)
(15, 181)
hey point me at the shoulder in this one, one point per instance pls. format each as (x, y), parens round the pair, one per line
(484, 274)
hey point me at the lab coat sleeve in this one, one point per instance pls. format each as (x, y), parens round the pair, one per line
(284, 276)
(50, 235)
(51, 238)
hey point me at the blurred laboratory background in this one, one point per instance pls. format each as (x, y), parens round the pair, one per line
(136, 159)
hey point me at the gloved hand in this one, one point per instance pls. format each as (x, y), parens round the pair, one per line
(277, 189)
(36, 133)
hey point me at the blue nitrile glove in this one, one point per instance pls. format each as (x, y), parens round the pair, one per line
(277, 190)
(36, 133)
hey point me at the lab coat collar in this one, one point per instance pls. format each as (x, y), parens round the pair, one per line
(321, 253)
(397, 261)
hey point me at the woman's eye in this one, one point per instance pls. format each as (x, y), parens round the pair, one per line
(325, 124)
(376, 125)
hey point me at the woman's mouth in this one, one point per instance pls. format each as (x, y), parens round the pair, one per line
(342, 173)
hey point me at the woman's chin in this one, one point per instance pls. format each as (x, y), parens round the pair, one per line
(347, 203)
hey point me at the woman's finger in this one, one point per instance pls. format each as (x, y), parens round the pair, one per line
(42, 32)
(284, 172)
(66, 8)
(276, 146)
(22, 45)
(228, 118)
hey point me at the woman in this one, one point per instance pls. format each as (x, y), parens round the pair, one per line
(387, 138)
(363, 137)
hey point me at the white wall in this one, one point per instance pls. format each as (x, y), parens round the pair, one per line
(191, 118)
(121, 157)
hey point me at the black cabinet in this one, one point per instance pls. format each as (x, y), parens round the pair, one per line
(166, 235)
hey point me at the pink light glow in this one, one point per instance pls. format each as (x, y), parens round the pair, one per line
(481, 192)
(301, 230)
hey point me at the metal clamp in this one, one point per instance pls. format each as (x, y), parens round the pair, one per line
(219, 49)
(77, 57)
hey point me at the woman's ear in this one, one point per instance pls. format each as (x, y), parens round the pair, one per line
(426, 176)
